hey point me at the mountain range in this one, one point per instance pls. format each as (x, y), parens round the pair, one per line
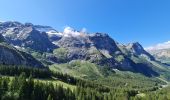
(43, 46)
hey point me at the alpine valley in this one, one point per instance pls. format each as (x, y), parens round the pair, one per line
(40, 63)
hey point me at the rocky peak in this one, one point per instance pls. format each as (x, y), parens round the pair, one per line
(104, 42)
(28, 24)
(10, 24)
(135, 48)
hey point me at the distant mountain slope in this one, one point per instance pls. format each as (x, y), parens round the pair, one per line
(162, 55)
(161, 51)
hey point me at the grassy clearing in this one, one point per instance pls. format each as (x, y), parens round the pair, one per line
(56, 82)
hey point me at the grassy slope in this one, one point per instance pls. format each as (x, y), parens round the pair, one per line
(114, 79)
(56, 82)
(81, 69)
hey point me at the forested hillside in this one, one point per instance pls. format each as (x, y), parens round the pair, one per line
(25, 83)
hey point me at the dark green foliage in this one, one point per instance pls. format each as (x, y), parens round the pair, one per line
(21, 88)
(25, 88)
(64, 77)
(17, 70)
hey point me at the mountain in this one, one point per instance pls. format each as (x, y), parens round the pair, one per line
(162, 55)
(141, 60)
(11, 56)
(101, 49)
(25, 35)
(161, 51)
(52, 47)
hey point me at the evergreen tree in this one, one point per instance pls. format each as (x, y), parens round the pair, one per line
(49, 97)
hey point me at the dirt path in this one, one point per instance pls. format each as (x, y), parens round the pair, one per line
(166, 85)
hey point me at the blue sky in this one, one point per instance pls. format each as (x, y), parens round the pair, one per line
(145, 21)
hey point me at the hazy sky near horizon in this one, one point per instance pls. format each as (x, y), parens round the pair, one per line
(145, 21)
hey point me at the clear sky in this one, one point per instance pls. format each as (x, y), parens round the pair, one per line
(145, 21)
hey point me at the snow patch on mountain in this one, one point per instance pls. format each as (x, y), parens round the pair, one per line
(49, 30)
(53, 32)
(43, 28)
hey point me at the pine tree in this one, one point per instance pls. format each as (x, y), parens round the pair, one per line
(49, 97)
(23, 86)
(13, 86)
(4, 85)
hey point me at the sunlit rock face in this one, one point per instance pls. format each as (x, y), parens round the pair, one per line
(25, 35)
